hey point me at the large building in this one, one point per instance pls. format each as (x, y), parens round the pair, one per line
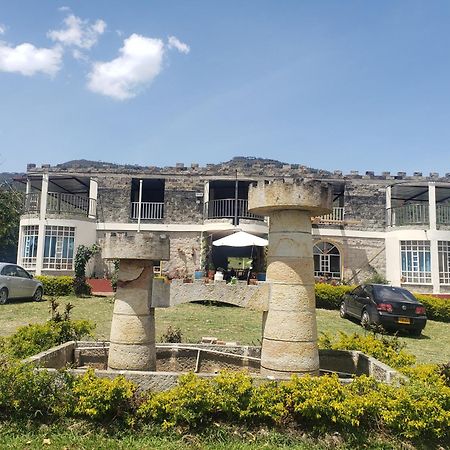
(394, 225)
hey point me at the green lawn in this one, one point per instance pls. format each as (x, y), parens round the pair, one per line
(226, 323)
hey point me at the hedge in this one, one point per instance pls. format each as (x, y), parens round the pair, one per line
(437, 308)
(330, 297)
(56, 285)
(415, 409)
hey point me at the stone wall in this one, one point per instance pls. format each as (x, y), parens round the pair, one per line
(181, 203)
(114, 198)
(365, 205)
(184, 254)
(363, 258)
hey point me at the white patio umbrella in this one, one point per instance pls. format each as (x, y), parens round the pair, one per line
(241, 239)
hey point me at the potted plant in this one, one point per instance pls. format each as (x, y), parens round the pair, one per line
(211, 271)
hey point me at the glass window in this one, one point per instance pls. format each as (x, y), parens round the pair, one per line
(58, 247)
(29, 246)
(416, 262)
(327, 260)
(444, 261)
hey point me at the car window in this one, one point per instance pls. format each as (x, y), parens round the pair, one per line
(358, 292)
(368, 291)
(393, 294)
(9, 271)
(22, 273)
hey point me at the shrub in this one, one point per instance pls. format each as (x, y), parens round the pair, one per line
(173, 335)
(102, 399)
(191, 403)
(82, 257)
(34, 338)
(56, 286)
(30, 394)
(329, 296)
(437, 308)
(386, 349)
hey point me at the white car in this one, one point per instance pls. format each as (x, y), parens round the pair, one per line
(16, 282)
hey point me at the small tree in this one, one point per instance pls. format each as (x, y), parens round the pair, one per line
(82, 257)
(11, 204)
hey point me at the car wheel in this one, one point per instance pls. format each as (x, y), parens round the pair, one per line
(343, 311)
(365, 319)
(37, 297)
(3, 296)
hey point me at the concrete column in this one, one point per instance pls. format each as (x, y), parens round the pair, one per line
(93, 194)
(289, 330)
(132, 339)
(132, 342)
(42, 214)
(432, 204)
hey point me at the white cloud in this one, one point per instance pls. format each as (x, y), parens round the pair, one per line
(29, 60)
(139, 62)
(2, 29)
(78, 32)
(174, 42)
(79, 55)
(64, 8)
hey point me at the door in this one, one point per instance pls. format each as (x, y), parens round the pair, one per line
(12, 281)
(363, 300)
(28, 284)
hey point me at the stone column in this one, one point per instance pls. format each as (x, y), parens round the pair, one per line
(289, 330)
(132, 342)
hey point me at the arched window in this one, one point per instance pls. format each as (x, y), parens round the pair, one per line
(327, 260)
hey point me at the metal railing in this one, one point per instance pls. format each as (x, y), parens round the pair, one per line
(62, 203)
(149, 210)
(336, 216)
(412, 214)
(443, 214)
(226, 208)
(32, 202)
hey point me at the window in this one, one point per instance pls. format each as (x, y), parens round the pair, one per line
(29, 246)
(58, 247)
(444, 261)
(327, 260)
(416, 262)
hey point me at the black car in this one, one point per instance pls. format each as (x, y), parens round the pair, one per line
(392, 307)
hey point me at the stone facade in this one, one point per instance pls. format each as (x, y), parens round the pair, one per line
(360, 230)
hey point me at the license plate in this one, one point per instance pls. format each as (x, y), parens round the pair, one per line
(404, 320)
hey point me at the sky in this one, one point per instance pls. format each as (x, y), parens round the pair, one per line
(336, 85)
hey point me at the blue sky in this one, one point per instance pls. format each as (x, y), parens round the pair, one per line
(349, 85)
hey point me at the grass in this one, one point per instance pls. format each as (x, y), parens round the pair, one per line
(78, 436)
(226, 323)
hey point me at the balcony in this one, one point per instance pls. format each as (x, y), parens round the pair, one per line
(227, 209)
(412, 214)
(60, 203)
(335, 217)
(149, 210)
(443, 214)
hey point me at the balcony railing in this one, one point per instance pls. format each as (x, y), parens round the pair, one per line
(336, 216)
(226, 209)
(32, 202)
(149, 210)
(61, 203)
(413, 214)
(443, 214)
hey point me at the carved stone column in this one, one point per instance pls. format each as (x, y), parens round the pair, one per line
(289, 327)
(132, 342)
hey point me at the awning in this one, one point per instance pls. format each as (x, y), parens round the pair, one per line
(241, 239)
